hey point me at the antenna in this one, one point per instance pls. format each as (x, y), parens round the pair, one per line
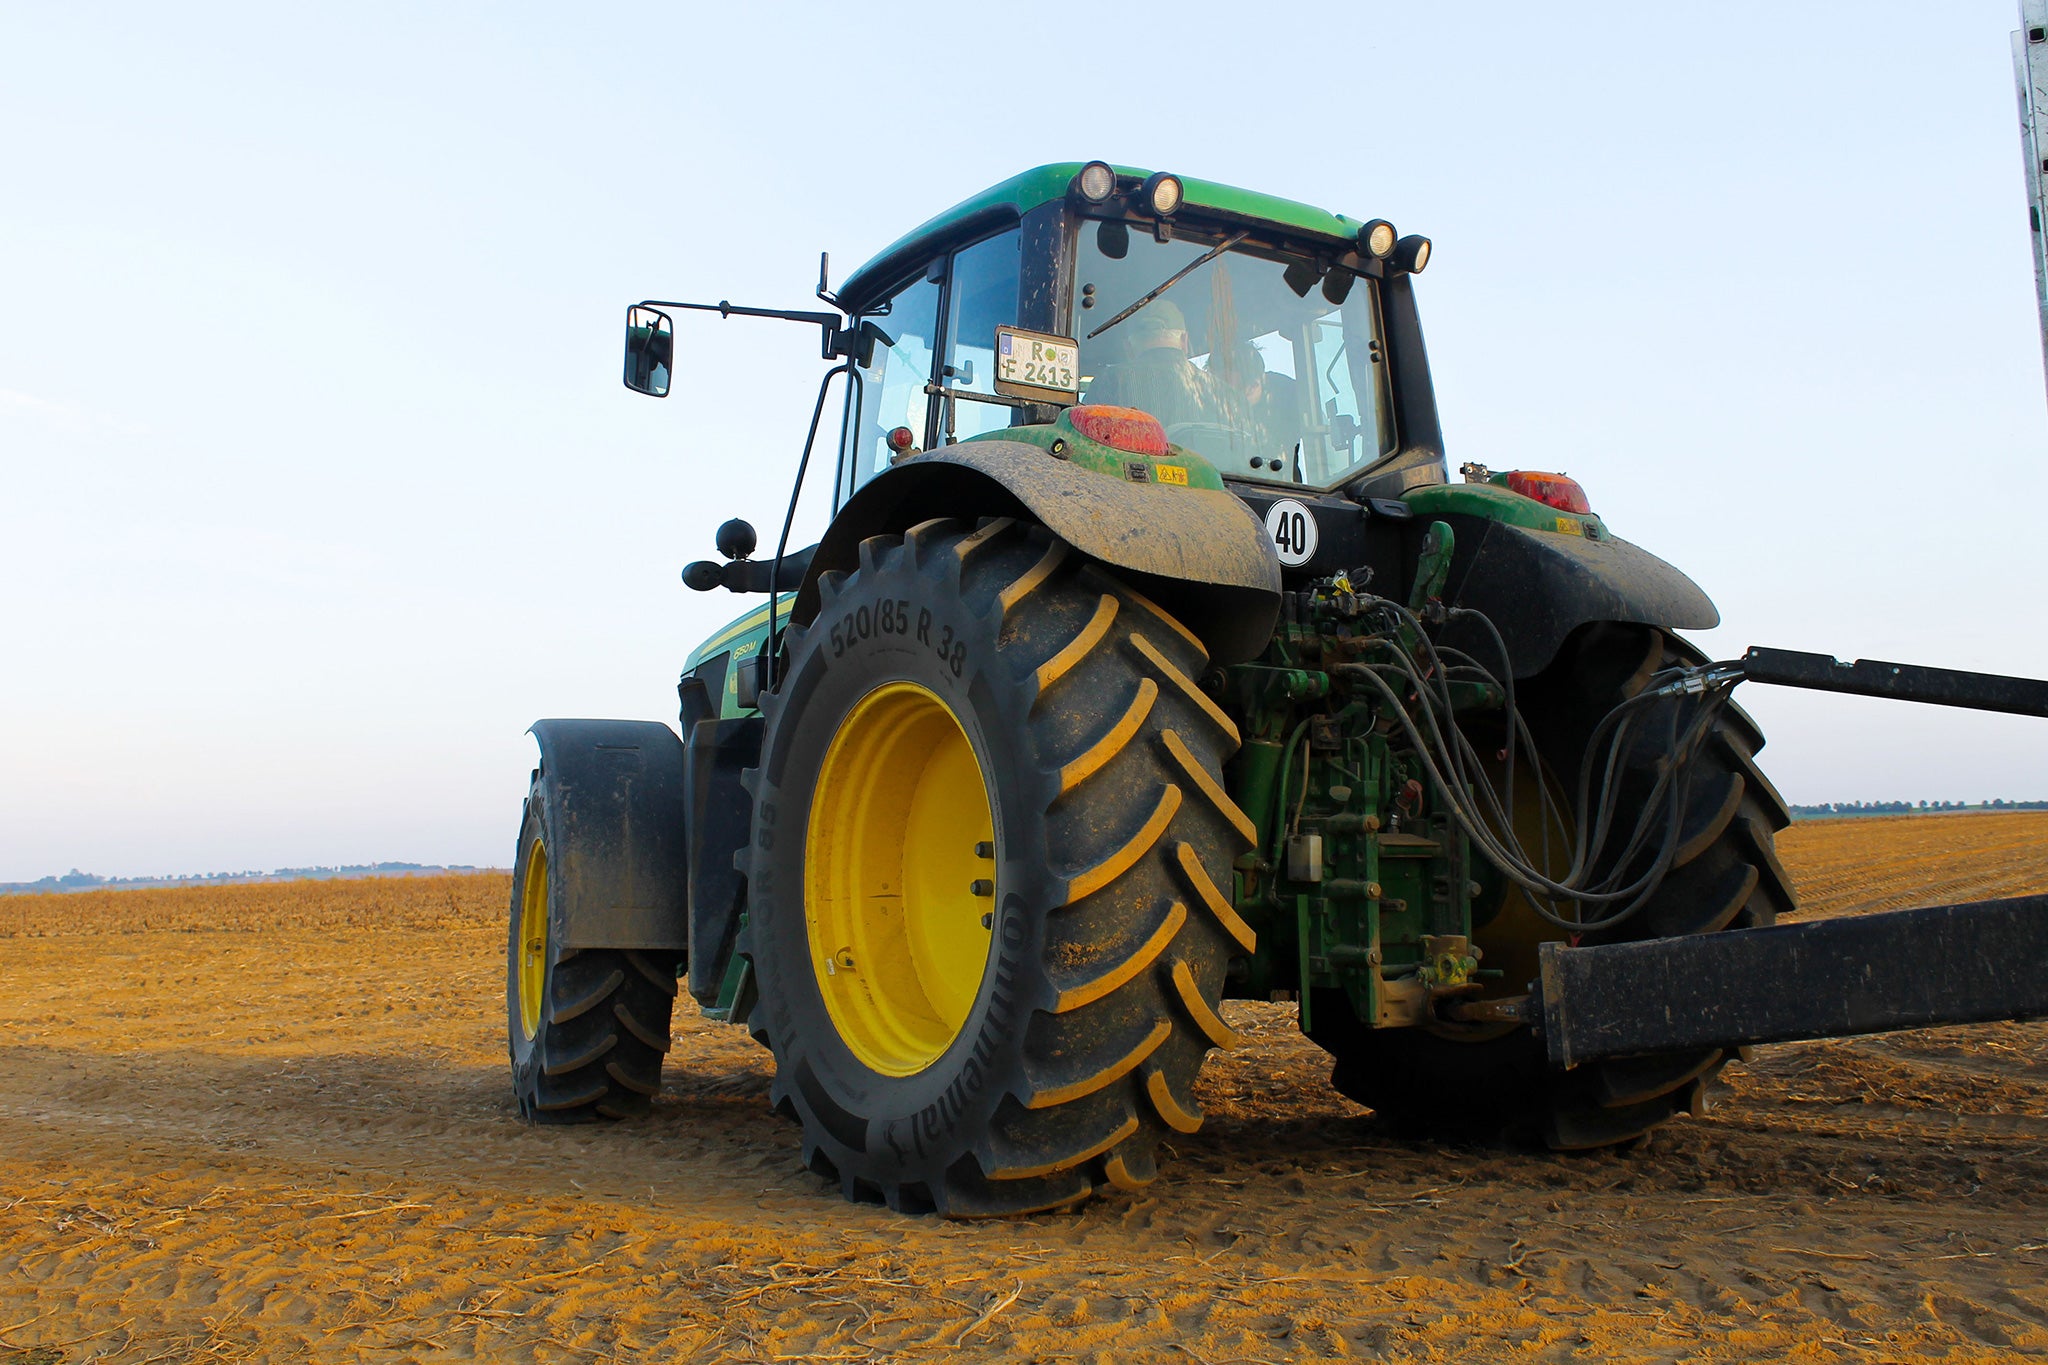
(825, 293)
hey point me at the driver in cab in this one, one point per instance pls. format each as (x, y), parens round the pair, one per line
(1158, 377)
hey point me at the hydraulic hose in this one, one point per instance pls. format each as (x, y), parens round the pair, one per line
(1486, 816)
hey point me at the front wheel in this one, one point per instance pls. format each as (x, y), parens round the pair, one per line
(988, 907)
(586, 1028)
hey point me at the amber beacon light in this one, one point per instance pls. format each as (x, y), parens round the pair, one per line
(1556, 490)
(1127, 429)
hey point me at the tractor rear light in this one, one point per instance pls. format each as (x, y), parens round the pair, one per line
(1554, 490)
(1125, 429)
(1096, 182)
(900, 439)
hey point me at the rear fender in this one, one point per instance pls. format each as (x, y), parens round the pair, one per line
(615, 795)
(1539, 586)
(1199, 552)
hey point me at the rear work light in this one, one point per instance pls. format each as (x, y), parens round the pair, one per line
(1125, 429)
(1096, 182)
(1162, 193)
(1555, 490)
(1377, 237)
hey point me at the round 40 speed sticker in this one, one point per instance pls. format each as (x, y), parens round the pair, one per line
(1293, 528)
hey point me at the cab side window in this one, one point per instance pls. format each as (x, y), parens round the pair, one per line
(983, 297)
(891, 392)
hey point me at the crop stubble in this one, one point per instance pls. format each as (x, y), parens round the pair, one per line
(271, 1122)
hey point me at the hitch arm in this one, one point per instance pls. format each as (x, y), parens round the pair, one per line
(1902, 682)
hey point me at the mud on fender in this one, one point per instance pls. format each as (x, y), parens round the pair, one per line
(1200, 553)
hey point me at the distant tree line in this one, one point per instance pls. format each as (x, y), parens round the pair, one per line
(74, 880)
(1910, 807)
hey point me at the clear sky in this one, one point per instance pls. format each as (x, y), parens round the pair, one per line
(318, 483)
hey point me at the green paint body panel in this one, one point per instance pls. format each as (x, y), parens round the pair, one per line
(1060, 439)
(743, 636)
(752, 623)
(1495, 503)
(1045, 184)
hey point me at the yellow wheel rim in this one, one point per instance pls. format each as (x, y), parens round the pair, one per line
(899, 878)
(533, 938)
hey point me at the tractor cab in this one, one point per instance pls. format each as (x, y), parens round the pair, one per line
(1276, 341)
(1276, 344)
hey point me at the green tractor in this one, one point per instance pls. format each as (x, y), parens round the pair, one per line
(1151, 659)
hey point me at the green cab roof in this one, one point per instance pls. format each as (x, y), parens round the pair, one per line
(1044, 184)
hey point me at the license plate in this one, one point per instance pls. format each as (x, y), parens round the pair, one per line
(1033, 365)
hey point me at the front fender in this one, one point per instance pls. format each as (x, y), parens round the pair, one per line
(1200, 553)
(1539, 586)
(615, 791)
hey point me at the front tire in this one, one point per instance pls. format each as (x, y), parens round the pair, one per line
(586, 1028)
(988, 906)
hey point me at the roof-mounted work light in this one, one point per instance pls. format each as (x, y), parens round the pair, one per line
(1377, 237)
(1411, 253)
(1161, 193)
(1096, 182)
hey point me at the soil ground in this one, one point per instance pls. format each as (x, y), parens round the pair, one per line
(272, 1123)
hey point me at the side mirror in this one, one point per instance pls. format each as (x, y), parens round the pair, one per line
(650, 351)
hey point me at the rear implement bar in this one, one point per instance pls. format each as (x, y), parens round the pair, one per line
(1947, 964)
(1902, 682)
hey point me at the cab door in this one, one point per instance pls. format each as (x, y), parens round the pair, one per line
(937, 345)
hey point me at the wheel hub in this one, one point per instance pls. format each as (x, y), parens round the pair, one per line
(899, 873)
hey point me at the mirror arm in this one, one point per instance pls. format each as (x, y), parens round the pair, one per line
(838, 339)
(734, 310)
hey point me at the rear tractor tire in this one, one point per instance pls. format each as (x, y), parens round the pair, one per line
(1725, 874)
(988, 907)
(586, 1028)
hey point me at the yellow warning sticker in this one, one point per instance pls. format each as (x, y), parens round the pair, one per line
(1571, 526)
(1173, 473)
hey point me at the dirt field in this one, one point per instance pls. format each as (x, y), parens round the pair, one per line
(272, 1122)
